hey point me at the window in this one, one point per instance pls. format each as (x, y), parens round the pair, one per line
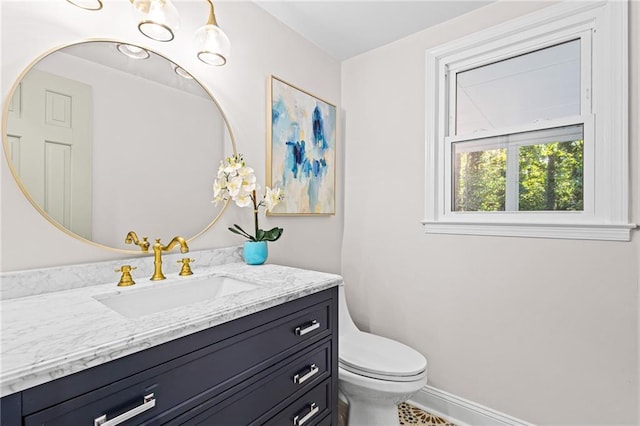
(532, 171)
(527, 127)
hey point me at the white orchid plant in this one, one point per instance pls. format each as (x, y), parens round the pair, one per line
(237, 181)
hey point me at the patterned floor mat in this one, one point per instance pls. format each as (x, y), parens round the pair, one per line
(413, 416)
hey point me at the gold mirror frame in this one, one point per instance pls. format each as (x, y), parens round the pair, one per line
(34, 203)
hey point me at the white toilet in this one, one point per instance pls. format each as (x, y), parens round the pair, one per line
(375, 374)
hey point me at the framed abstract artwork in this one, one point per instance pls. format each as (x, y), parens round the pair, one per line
(301, 151)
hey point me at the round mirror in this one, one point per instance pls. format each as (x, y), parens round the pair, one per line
(105, 138)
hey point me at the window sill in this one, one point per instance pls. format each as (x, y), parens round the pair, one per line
(531, 230)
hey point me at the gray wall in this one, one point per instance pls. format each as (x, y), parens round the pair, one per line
(544, 330)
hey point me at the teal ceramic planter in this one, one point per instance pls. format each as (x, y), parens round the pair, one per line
(255, 252)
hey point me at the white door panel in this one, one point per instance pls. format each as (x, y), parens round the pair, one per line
(51, 129)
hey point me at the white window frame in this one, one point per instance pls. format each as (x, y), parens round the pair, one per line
(603, 29)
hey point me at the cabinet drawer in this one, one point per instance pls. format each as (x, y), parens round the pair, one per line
(295, 376)
(308, 410)
(196, 377)
(115, 400)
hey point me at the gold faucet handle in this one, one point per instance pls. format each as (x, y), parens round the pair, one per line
(126, 279)
(132, 238)
(186, 267)
(144, 244)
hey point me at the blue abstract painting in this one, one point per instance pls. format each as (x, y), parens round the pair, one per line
(302, 150)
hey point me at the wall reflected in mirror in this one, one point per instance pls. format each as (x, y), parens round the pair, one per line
(104, 142)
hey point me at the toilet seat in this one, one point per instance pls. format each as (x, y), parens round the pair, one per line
(377, 357)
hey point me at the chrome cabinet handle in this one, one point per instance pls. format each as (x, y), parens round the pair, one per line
(149, 403)
(299, 422)
(301, 331)
(313, 370)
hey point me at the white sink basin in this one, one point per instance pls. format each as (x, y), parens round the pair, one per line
(163, 296)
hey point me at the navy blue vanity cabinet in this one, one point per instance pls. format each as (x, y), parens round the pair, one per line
(274, 367)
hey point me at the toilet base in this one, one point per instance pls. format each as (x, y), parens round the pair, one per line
(363, 413)
(374, 402)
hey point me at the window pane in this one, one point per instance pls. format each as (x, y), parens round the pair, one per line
(551, 176)
(540, 85)
(479, 179)
(540, 170)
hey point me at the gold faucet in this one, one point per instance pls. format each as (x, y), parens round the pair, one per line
(158, 248)
(133, 238)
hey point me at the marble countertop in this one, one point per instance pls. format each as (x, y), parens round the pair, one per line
(51, 335)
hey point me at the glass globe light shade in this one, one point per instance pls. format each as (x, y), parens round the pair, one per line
(212, 45)
(157, 19)
(132, 51)
(87, 4)
(182, 72)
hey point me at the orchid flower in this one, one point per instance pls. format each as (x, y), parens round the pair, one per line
(236, 181)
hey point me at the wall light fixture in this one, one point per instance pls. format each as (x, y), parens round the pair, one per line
(211, 42)
(159, 19)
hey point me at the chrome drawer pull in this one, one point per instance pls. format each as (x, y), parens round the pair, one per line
(302, 331)
(313, 370)
(313, 412)
(149, 403)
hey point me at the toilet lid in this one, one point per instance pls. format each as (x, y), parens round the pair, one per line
(378, 357)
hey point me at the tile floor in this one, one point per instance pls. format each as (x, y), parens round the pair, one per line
(407, 414)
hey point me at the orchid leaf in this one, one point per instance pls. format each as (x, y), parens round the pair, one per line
(238, 230)
(273, 234)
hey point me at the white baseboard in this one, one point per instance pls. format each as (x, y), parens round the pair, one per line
(460, 411)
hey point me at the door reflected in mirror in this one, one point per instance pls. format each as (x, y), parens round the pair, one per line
(105, 137)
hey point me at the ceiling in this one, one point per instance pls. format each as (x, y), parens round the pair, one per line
(350, 27)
